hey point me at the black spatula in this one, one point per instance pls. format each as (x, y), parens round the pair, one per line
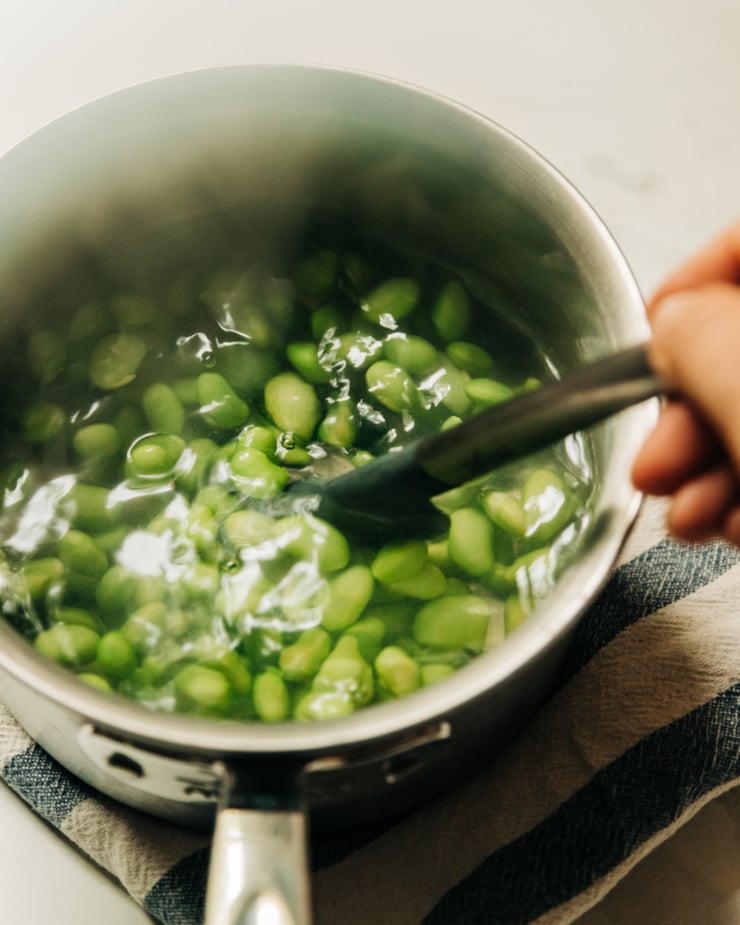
(389, 497)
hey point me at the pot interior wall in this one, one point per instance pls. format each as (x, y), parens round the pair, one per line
(268, 147)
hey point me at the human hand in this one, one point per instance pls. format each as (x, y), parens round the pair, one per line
(693, 454)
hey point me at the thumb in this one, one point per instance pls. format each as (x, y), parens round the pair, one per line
(696, 346)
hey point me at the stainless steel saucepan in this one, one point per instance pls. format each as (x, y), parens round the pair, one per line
(424, 171)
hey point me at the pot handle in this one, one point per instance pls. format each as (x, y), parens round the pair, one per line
(259, 866)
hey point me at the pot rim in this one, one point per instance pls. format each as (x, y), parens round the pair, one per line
(551, 620)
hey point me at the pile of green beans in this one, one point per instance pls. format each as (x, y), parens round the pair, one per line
(151, 436)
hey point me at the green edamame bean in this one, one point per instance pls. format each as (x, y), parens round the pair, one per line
(531, 572)
(114, 594)
(397, 671)
(96, 441)
(429, 582)
(217, 499)
(452, 421)
(248, 528)
(290, 454)
(220, 406)
(391, 386)
(42, 421)
(396, 615)
(116, 655)
(194, 464)
(119, 592)
(90, 508)
(80, 553)
(200, 527)
(471, 358)
(399, 560)
(354, 348)
(79, 589)
(145, 626)
(438, 554)
(433, 672)
(96, 681)
(369, 633)
(360, 458)
(451, 311)
(453, 622)
(412, 353)
(312, 539)
(348, 595)
(484, 393)
(316, 275)
(246, 367)
(235, 668)
(115, 361)
(39, 577)
(271, 697)
(540, 481)
(293, 404)
(546, 505)
(449, 386)
(323, 705)
(155, 456)
(200, 580)
(339, 427)
(90, 321)
(505, 511)
(345, 670)
(255, 475)
(163, 409)
(257, 437)
(327, 321)
(201, 690)
(392, 300)
(514, 613)
(300, 660)
(78, 616)
(109, 541)
(244, 593)
(456, 586)
(499, 580)
(68, 644)
(470, 543)
(304, 357)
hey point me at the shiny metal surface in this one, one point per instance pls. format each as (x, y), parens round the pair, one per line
(255, 876)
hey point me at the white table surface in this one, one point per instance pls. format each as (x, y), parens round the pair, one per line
(637, 103)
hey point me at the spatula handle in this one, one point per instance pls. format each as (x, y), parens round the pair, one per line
(536, 419)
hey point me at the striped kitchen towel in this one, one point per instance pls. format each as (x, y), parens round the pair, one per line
(641, 731)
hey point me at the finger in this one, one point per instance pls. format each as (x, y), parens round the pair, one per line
(718, 262)
(680, 446)
(695, 345)
(699, 508)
